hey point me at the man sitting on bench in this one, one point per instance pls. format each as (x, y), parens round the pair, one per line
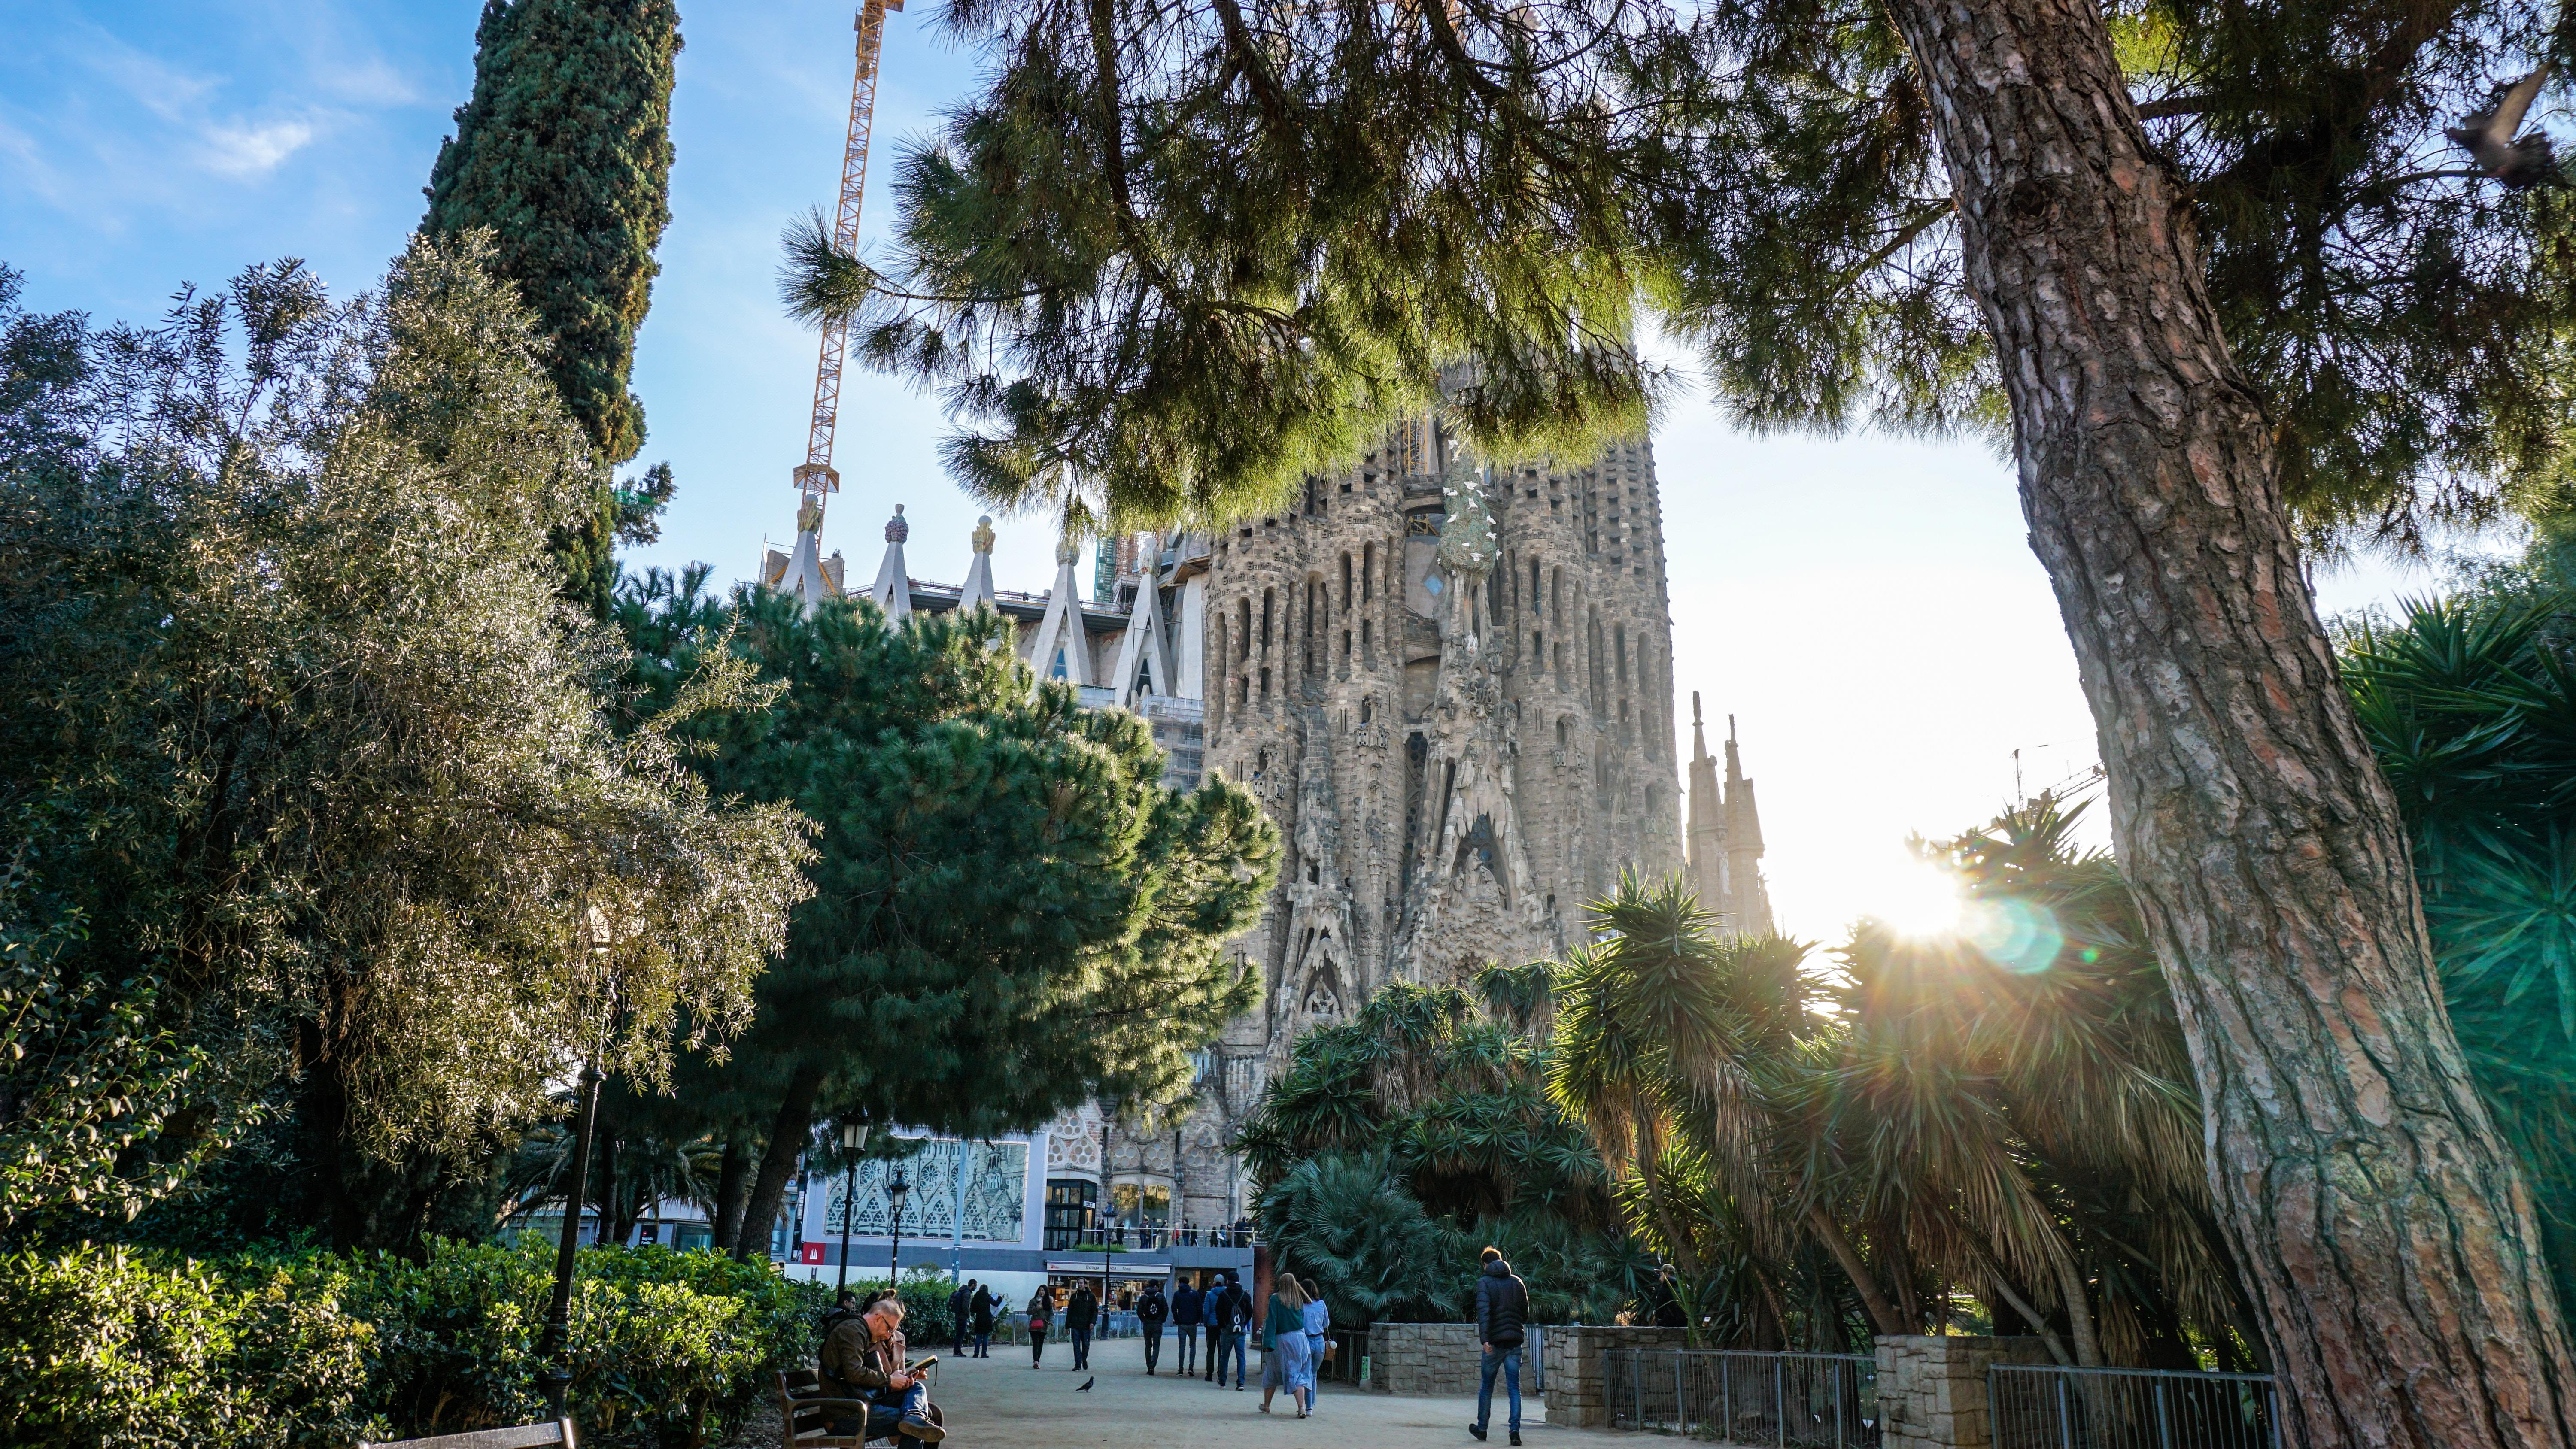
(863, 1359)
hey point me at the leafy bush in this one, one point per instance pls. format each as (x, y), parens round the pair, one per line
(108, 1347)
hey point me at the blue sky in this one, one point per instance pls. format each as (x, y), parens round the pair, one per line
(1866, 607)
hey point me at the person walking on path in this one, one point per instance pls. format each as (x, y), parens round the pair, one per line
(1079, 1316)
(1283, 1343)
(1186, 1318)
(1319, 1323)
(1151, 1310)
(957, 1303)
(1041, 1318)
(1502, 1312)
(986, 1304)
(1229, 1322)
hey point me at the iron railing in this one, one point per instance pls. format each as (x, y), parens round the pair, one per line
(2038, 1406)
(1786, 1400)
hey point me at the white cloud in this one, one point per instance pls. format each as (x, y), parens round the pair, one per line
(248, 151)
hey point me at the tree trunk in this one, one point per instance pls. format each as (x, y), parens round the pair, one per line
(604, 1180)
(2387, 1237)
(733, 1190)
(778, 1161)
(1882, 1314)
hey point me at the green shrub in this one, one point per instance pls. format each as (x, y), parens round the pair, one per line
(107, 1347)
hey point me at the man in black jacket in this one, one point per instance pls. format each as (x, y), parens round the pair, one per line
(1502, 1312)
(957, 1306)
(1078, 1319)
(1151, 1310)
(1229, 1317)
(1186, 1317)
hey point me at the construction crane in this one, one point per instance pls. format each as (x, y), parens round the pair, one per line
(815, 477)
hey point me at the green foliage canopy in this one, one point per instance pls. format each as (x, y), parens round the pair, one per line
(307, 742)
(1173, 257)
(1011, 913)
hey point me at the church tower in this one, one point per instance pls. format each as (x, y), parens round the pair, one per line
(1450, 683)
(1726, 837)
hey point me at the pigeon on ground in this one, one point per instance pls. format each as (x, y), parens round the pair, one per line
(2488, 136)
(1085, 1386)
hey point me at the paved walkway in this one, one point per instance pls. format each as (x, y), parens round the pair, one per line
(1001, 1402)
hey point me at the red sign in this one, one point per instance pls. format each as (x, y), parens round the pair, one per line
(809, 1252)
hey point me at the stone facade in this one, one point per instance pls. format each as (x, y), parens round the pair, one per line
(1932, 1390)
(1450, 684)
(1424, 1358)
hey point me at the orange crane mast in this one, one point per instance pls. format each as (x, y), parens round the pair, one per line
(815, 477)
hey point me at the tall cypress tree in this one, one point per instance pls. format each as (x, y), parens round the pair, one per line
(565, 153)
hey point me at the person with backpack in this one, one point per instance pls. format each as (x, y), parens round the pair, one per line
(1151, 1310)
(1502, 1315)
(1187, 1315)
(1229, 1320)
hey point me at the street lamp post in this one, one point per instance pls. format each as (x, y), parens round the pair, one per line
(896, 1187)
(554, 1348)
(854, 1136)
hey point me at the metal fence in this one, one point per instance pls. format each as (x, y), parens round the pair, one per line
(2044, 1407)
(1350, 1351)
(1787, 1400)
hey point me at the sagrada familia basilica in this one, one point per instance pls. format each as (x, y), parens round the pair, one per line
(1451, 685)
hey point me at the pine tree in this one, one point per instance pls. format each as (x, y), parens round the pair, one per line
(2206, 264)
(1011, 913)
(564, 151)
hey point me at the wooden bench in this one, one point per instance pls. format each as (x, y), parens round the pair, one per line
(805, 1416)
(517, 1436)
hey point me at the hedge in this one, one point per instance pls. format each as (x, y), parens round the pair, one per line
(123, 1350)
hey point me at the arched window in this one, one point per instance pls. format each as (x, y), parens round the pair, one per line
(1368, 572)
(1243, 628)
(1346, 581)
(1534, 590)
(1620, 633)
(1564, 732)
(1269, 613)
(1368, 646)
(1556, 592)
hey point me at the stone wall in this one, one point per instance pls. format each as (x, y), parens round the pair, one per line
(1423, 1358)
(1572, 1357)
(1932, 1390)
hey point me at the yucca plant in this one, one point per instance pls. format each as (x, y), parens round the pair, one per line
(2470, 704)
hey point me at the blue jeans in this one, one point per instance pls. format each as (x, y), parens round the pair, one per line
(1231, 1342)
(1082, 1348)
(1153, 1336)
(1186, 1336)
(887, 1410)
(1509, 1361)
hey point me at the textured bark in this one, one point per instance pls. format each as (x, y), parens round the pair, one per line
(733, 1191)
(1882, 1314)
(2388, 1241)
(778, 1162)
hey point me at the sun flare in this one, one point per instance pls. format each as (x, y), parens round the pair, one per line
(1917, 898)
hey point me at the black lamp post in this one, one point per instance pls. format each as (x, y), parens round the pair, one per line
(854, 1136)
(554, 1347)
(896, 1187)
